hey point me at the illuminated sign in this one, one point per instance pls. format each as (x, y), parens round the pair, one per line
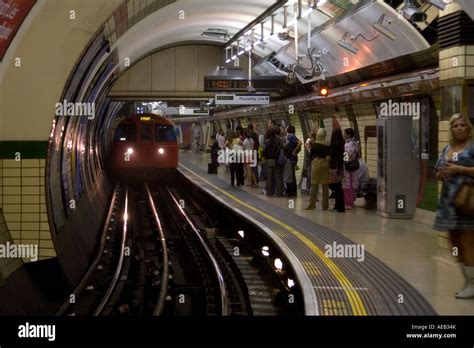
(233, 84)
(12, 14)
(250, 99)
(145, 118)
(193, 111)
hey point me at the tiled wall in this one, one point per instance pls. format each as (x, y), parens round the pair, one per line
(22, 199)
(7, 266)
(443, 133)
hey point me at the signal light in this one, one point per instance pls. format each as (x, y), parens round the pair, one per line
(324, 89)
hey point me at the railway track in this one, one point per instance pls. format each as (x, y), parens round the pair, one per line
(162, 253)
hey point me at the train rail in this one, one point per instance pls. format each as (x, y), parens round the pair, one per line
(218, 273)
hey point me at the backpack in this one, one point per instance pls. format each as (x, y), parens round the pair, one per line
(281, 161)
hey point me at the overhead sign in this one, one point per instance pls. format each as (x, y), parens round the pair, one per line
(249, 99)
(12, 14)
(239, 84)
(193, 111)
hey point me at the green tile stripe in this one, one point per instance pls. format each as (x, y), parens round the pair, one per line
(27, 149)
(430, 196)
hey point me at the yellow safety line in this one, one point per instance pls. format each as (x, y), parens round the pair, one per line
(355, 301)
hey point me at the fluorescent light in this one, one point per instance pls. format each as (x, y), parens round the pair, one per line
(348, 46)
(383, 30)
(227, 61)
(240, 53)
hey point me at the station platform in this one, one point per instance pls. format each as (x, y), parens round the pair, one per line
(403, 272)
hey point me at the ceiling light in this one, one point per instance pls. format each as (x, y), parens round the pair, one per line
(383, 30)
(348, 46)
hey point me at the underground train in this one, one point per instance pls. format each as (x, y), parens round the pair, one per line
(143, 144)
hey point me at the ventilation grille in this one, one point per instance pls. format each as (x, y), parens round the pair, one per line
(455, 29)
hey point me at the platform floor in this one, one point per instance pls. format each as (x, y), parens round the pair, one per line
(408, 247)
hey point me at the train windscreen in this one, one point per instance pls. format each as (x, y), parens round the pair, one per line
(165, 133)
(145, 132)
(126, 132)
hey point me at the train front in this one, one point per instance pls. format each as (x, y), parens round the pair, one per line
(145, 146)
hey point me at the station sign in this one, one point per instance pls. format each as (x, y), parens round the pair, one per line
(242, 99)
(193, 111)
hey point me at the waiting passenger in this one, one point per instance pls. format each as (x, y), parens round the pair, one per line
(363, 176)
(307, 160)
(249, 148)
(336, 169)
(351, 165)
(256, 146)
(214, 150)
(280, 163)
(293, 147)
(319, 170)
(271, 150)
(455, 213)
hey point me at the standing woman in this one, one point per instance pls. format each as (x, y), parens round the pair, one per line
(455, 168)
(336, 168)
(349, 182)
(319, 170)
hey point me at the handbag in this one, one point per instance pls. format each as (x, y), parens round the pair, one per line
(352, 166)
(464, 201)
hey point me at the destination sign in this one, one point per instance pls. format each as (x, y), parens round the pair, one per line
(233, 84)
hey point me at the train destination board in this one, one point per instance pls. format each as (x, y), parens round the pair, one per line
(236, 84)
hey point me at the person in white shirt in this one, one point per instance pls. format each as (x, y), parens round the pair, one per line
(249, 148)
(220, 137)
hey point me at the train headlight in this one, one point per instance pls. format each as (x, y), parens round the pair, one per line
(161, 151)
(129, 150)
